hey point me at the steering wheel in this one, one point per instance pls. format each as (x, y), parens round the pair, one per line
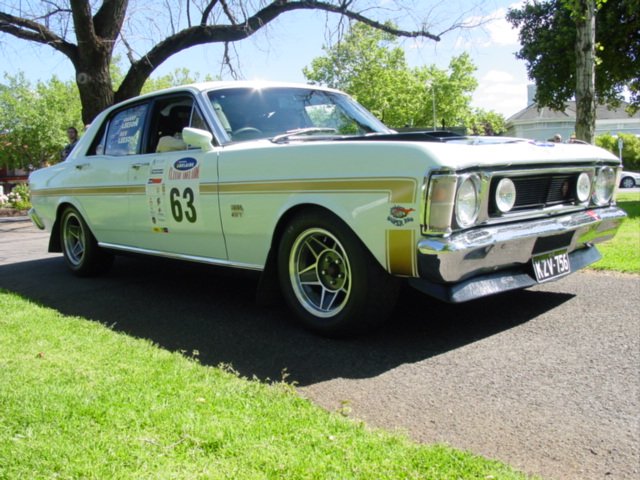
(245, 130)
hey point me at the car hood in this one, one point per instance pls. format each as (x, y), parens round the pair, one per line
(453, 152)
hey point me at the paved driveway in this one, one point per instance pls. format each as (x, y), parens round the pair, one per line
(547, 380)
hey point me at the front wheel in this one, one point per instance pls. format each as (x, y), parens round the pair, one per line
(329, 279)
(81, 251)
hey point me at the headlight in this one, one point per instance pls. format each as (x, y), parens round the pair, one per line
(605, 185)
(583, 187)
(468, 201)
(505, 195)
(440, 201)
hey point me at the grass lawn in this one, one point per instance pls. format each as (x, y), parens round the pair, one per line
(78, 400)
(623, 252)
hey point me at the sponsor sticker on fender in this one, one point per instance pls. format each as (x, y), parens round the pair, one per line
(399, 216)
(155, 191)
(173, 194)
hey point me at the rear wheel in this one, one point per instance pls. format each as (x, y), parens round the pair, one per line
(81, 251)
(329, 279)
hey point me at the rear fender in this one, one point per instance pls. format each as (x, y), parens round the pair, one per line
(54, 238)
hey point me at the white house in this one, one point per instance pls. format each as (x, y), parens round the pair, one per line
(543, 123)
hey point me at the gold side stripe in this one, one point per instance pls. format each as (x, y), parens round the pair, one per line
(399, 190)
(401, 254)
(84, 191)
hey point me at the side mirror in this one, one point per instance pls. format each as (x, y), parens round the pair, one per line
(197, 138)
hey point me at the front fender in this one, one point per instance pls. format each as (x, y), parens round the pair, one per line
(389, 230)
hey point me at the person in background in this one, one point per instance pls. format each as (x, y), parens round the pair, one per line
(72, 135)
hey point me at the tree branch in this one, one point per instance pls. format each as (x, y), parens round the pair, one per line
(36, 32)
(130, 50)
(109, 19)
(228, 12)
(344, 10)
(226, 61)
(51, 13)
(83, 22)
(171, 22)
(207, 12)
(202, 34)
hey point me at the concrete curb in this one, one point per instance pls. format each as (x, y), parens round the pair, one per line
(14, 219)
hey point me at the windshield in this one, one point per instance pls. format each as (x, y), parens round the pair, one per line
(249, 114)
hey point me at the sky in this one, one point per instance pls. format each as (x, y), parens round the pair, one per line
(287, 46)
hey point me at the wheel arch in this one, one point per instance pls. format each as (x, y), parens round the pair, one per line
(54, 238)
(268, 287)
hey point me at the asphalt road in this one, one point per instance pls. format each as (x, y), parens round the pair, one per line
(547, 380)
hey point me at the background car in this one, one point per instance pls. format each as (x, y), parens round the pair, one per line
(629, 179)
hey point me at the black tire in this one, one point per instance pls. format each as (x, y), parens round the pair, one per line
(81, 251)
(329, 278)
(627, 182)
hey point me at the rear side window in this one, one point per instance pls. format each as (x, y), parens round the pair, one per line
(124, 133)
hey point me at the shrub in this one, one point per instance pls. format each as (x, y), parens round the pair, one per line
(20, 197)
(630, 149)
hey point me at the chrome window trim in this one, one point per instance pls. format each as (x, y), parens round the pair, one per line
(219, 134)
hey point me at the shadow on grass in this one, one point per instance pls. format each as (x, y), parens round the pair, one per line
(631, 207)
(193, 307)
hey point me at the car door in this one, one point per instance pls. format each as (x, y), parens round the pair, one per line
(101, 178)
(174, 209)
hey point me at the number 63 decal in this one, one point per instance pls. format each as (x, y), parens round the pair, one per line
(182, 205)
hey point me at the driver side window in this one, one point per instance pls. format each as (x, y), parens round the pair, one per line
(169, 116)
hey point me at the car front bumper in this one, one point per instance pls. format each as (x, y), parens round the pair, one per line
(35, 218)
(497, 258)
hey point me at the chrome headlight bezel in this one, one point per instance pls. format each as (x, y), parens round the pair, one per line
(467, 200)
(583, 187)
(604, 185)
(505, 196)
(440, 197)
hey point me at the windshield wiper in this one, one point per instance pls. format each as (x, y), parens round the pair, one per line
(301, 131)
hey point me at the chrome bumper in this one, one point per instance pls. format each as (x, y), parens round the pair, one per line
(37, 221)
(503, 251)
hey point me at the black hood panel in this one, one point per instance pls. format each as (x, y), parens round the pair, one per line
(438, 136)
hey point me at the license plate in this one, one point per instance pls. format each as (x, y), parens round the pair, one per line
(550, 265)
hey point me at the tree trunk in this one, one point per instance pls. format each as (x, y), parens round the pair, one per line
(585, 16)
(94, 85)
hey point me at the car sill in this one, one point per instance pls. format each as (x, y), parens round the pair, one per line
(179, 256)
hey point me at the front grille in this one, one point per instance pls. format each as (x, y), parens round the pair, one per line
(539, 191)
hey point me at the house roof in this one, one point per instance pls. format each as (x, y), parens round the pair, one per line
(603, 112)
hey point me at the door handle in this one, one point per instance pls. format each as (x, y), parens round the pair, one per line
(137, 166)
(81, 166)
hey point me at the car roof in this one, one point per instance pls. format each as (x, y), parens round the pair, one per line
(218, 85)
(255, 84)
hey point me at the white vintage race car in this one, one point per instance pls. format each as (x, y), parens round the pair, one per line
(305, 185)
